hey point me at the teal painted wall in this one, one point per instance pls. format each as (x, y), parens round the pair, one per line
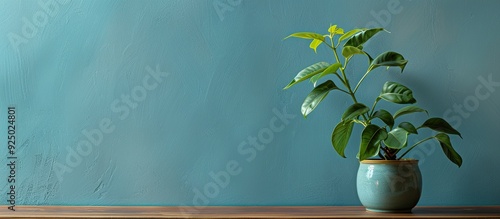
(142, 102)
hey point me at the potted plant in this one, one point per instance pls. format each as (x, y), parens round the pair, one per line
(386, 181)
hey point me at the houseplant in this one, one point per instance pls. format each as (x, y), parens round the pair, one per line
(389, 183)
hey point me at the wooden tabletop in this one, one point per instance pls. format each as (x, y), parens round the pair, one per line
(240, 212)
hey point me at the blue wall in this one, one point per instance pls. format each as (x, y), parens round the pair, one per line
(140, 102)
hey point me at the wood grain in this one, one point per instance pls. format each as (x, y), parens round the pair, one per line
(241, 212)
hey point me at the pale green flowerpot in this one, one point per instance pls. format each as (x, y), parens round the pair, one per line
(389, 185)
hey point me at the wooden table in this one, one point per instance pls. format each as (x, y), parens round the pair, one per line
(241, 212)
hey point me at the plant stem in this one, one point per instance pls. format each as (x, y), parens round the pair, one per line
(340, 78)
(390, 154)
(421, 141)
(343, 91)
(346, 81)
(373, 107)
(343, 78)
(361, 80)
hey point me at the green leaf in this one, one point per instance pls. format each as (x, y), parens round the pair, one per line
(316, 96)
(360, 38)
(354, 111)
(397, 93)
(307, 35)
(440, 125)
(314, 44)
(408, 127)
(396, 138)
(444, 141)
(349, 34)
(315, 79)
(331, 30)
(330, 70)
(308, 72)
(334, 30)
(408, 110)
(385, 116)
(341, 135)
(370, 141)
(388, 59)
(349, 51)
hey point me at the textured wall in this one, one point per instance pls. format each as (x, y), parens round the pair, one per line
(144, 102)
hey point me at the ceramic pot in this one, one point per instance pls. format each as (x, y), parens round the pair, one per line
(389, 185)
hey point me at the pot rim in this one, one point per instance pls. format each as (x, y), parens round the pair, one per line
(379, 161)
